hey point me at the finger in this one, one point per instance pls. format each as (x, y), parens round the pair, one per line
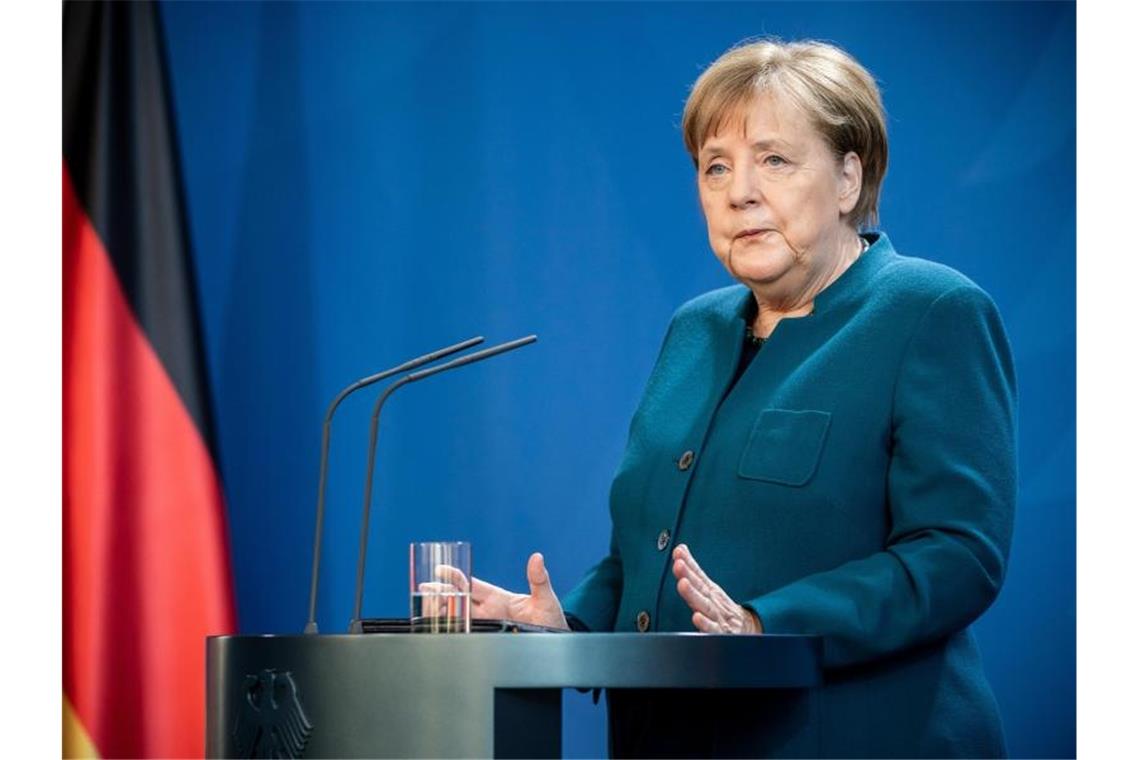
(689, 565)
(705, 624)
(705, 604)
(701, 579)
(429, 599)
(436, 598)
(694, 566)
(452, 574)
(538, 577)
(682, 570)
(697, 601)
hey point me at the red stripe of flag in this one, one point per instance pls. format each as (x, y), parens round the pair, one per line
(146, 569)
(146, 573)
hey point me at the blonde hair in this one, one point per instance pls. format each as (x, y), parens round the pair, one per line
(838, 95)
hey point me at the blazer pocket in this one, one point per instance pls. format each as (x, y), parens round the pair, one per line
(784, 446)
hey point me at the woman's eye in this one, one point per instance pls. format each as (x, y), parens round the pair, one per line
(716, 170)
(774, 160)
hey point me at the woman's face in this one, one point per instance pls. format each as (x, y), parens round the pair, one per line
(775, 197)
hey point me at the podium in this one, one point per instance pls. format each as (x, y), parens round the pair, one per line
(470, 695)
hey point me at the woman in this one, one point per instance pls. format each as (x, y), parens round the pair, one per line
(826, 448)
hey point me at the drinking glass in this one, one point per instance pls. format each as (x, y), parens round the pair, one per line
(439, 573)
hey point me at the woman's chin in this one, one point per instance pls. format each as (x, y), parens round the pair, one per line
(759, 268)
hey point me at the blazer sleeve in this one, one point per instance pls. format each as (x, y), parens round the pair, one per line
(951, 490)
(594, 601)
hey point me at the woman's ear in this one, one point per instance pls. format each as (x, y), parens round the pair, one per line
(850, 182)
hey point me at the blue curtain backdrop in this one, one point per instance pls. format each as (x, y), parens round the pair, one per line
(368, 181)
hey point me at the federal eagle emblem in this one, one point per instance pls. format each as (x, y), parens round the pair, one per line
(270, 720)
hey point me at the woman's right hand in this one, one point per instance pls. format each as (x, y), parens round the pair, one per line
(539, 607)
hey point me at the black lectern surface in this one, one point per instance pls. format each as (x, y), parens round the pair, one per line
(449, 695)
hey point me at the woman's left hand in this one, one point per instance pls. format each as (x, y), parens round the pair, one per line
(713, 610)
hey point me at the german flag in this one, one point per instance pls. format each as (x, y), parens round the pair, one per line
(146, 567)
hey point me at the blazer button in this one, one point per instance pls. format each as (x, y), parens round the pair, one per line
(662, 540)
(642, 621)
(686, 460)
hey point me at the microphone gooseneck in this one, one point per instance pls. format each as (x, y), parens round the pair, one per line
(326, 428)
(355, 625)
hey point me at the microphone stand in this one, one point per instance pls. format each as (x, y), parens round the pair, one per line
(355, 625)
(311, 625)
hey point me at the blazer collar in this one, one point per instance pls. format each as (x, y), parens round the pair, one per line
(849, 287)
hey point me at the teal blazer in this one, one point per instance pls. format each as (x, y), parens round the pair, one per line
(857, 482)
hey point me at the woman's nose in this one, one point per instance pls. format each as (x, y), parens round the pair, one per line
(745, 188)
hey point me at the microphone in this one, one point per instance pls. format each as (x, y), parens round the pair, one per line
(311, 625)
(355, 625)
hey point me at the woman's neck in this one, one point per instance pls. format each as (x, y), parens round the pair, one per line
(772, 307)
